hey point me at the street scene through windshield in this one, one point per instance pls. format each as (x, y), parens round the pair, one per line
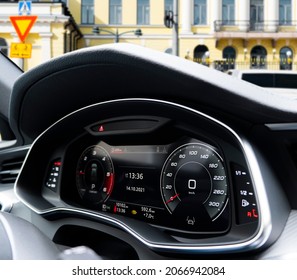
(221, 34)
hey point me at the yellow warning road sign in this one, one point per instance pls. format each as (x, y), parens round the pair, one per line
(23, 25)
(20, 50)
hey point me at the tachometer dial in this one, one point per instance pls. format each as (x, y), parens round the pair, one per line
(194, 184)
(95, 175)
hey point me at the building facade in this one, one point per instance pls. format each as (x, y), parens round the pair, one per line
(223, 34)
(54, 33)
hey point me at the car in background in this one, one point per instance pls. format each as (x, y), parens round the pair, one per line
(283, 82)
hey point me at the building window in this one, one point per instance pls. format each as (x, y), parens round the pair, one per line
(3, 46)
(168, 5)
(285, 12)
(286, 58)
(143, 12)
(256, 15)
(201, 55)
(229, 55)
(228, 12)
(87, 11)
(115, 12)
(258, 57)
(200, 12)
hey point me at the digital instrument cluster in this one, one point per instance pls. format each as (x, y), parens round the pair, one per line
(181, 186)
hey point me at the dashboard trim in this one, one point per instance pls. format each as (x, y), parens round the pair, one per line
(260, 237)
(282, 126)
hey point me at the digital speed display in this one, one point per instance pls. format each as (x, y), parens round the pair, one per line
(179, 186)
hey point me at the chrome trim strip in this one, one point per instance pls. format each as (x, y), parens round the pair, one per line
(282, 126)
(15, 149)
(264, 229)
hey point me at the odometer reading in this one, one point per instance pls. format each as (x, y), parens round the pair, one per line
(194, 184)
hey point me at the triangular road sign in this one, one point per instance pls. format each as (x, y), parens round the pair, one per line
(23, 25)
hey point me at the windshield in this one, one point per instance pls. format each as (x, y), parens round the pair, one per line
(222, 35)
(272, 80)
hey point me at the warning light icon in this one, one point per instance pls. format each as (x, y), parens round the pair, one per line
(252, 214)
(101, 128)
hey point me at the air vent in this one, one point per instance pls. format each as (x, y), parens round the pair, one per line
(9, 170)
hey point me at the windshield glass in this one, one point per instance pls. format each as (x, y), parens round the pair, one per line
(272, 80)
(225, 35)
(222, 35)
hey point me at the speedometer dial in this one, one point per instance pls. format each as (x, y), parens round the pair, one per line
(194, 184)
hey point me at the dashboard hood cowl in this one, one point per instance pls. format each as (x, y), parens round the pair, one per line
(67, 83)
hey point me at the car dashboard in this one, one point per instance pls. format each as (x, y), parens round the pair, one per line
(174, 185)
(133, 173)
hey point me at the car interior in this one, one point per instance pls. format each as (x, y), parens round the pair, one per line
(135, 154)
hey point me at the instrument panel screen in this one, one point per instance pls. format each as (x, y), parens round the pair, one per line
(181, 186)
